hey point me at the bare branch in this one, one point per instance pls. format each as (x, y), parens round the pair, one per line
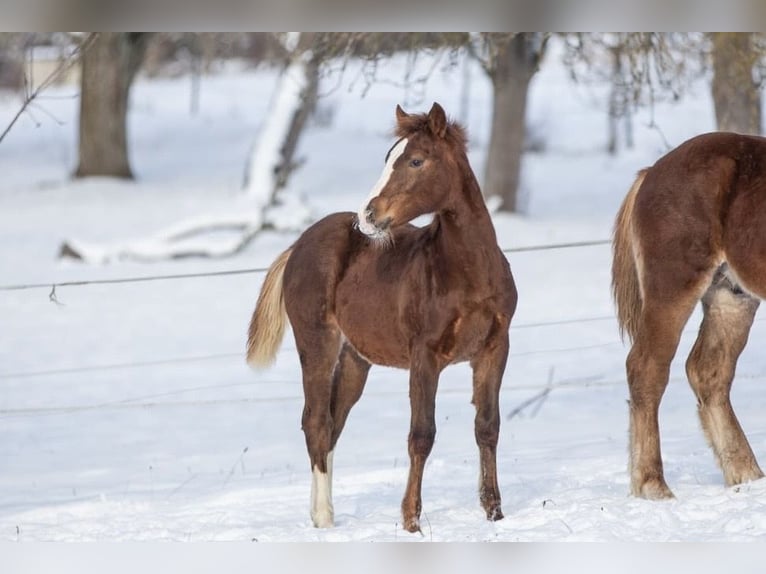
(66, 64)
(537, 400)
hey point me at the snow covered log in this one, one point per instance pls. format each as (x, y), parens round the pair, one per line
(213, 236)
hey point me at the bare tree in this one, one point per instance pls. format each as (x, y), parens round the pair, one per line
(11, 60)
(645, 67)
(273, 157)
(736, 92)
(641, 68)
(510, 61)
(108, 70)
(31, 89)
(619, 99)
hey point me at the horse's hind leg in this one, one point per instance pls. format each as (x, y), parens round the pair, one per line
(728, 316)
(488, 369)
(318, 349)
(648, 369)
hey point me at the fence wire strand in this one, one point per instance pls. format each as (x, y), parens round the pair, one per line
(230, 272)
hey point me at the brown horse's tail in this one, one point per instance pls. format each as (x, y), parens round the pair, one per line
(267, 326)
(626, 283)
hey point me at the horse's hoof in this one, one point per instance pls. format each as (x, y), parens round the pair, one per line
(495, 514)
(412, 524)
(653, 489)
(742, 476)
(322, 519)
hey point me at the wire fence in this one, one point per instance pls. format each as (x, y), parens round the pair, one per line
(256, 270)
(153, 400)
(239, 356)
(229, 272)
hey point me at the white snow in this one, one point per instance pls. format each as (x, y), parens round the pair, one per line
(127, 412)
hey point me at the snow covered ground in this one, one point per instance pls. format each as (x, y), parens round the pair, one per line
(127, 411)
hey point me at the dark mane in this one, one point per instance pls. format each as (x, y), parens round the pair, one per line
(414, 123)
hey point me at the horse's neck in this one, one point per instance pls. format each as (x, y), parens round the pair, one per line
(465, 230)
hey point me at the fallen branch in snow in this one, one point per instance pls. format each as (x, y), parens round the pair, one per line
(536, 400)
(214, 236)
(239, 462)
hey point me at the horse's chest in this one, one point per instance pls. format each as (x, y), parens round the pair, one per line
(384, 314)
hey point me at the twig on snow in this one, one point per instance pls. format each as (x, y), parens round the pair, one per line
(536, 400)
(240, 461)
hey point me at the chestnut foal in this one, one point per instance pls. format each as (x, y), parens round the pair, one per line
(370, 288)
(692, 227)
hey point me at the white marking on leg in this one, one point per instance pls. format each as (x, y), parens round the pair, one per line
(321, 495)
(364, 226)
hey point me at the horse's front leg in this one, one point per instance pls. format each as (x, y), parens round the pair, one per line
(424, 379)
(488, 367)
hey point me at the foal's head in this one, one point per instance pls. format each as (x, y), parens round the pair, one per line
(422, 172)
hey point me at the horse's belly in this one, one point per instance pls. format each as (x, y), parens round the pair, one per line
(374, 338)
(371, 325)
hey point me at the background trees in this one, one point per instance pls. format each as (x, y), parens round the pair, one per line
(510, 61)
(644, 67)
(736, 83)
(641, 68)
(108, 69)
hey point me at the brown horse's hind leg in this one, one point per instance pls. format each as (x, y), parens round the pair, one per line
(728, 316)
(424, 379)
(488, 370)
(318, 350)
(648, 368)
(349, 379)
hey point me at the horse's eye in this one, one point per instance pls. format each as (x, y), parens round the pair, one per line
(416, 163)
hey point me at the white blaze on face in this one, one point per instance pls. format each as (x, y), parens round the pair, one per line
(322, 513)
(388, 169)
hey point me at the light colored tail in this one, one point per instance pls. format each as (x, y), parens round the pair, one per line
(626, 284)
(267, 326)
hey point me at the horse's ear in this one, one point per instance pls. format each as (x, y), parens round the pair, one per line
(400, 113)
(437, 120)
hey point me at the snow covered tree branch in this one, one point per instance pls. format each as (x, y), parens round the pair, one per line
(258, 208)
(213, 236)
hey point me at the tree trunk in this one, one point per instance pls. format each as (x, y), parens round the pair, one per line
(108, 69)
(736, 96)
(272, 159)
(300, 117)
(516, 63)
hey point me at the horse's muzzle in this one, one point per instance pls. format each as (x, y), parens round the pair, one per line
(370, 223)
(371, 218)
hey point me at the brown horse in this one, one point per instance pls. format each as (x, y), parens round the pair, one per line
(371, 289)
(692, 227)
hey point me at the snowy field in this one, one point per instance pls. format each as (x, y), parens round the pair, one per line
(127, 411)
